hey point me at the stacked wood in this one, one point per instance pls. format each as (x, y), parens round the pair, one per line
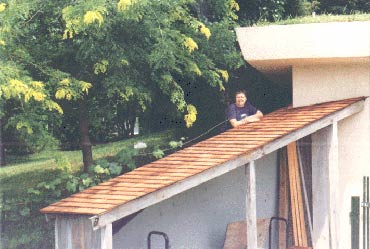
(297, 209)
(283, 197)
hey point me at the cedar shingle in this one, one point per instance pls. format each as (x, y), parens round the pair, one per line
(193, 160)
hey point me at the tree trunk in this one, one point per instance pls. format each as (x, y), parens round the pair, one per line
(2, 145)
(84, 134)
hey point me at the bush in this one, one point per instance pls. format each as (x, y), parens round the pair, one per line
(24, 226)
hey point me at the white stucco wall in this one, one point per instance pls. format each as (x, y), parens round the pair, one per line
(354, 163)
(324, 82)
(197, 218)
(317, 83)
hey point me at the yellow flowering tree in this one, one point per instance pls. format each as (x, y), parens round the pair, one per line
(191, 115)
(107, 62)
(24, 105)
(104, 63)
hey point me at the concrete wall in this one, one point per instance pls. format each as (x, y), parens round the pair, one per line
(197, 218)
(317, 83)
(320, 83)
(354, 163)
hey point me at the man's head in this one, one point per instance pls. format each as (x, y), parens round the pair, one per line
(240, 98)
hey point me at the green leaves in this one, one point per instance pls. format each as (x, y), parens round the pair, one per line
(25, 211)
(87, 182)
(79, 16)
(123, 54)
(126, 156)
(100, 170)
(175, 144)
(101, 67)
(72, 185)
(33, 191)
(158, 153)
(115, 169)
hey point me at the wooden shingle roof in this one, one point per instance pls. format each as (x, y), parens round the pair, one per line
(223, 150)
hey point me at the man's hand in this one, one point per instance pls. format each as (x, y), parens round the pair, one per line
(253, 118)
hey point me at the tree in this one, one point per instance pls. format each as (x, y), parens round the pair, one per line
(128, 52)
(24, 104)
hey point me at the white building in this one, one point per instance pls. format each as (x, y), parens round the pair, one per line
(193, 194)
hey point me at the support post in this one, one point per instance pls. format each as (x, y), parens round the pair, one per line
(106, 235)
(333, 167)
(75, 232)
(325, 185)
(320, 189)
(283, 197)
(251, 211)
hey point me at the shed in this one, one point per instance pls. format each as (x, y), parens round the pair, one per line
(194, 193)
(323, 62)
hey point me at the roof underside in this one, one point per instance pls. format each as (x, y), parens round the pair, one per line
(187, 163)
(276, 47)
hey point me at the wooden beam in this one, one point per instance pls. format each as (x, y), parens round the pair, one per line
(306, 202)
(181, 186)
(293, 198)
(251, 211)
(283, 197)
(298, 219)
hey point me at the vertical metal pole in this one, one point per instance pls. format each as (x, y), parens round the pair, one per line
(355, 222)
(364, 215)
(286, 231)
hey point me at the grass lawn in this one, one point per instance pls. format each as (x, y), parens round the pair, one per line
(39, 167)
(319, 19)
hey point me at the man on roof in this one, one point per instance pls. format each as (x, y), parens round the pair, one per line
(242, 111)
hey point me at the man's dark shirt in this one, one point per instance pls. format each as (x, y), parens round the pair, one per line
(239, 113)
